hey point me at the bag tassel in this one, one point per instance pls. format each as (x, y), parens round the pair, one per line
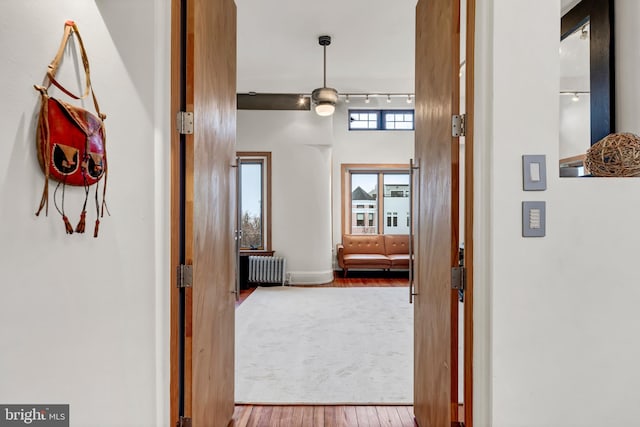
(95, 229)
(81, 224)
(97, 226)
(44, 201)
(67, 224)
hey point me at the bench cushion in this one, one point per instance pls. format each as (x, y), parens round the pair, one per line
(366, 260)
(396, 244)
(399, 260)
(363, 244)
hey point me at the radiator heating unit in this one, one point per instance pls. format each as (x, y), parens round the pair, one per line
(267, 269)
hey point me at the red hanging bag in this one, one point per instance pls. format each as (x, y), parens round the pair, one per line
(71, 141)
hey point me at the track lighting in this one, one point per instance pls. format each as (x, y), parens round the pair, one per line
(366, 98)
(584, 33)
(575, 95)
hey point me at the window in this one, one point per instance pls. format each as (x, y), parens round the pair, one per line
(364, 119)
(254, 207)
(392, 219)
(398, 120)
(363, 194)
(381, 120)
(364, 211)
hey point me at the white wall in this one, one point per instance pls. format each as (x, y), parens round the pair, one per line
(300, 143)
(84, 320)
(556, 317)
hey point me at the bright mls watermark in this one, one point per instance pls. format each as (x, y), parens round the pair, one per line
(34, 415)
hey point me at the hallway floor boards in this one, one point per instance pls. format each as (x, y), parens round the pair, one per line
(323, 416)
(334, 415)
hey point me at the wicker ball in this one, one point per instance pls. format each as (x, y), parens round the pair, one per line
(617, 154)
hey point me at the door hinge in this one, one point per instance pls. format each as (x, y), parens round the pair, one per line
(458, 278)
(184, 422)
(185, 276)
(184, 122)
(458, 125)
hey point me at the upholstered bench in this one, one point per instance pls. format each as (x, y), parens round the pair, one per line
(373, 251)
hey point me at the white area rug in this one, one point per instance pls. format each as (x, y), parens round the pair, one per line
(325, 345)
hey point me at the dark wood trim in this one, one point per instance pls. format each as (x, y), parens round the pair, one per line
(600, 13)
(469, 212)
(346, 217)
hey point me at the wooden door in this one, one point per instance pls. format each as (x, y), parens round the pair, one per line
(437, 162)
(203, 211)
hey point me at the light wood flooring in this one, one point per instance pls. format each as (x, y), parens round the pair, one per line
(323, 416)
(334, 415)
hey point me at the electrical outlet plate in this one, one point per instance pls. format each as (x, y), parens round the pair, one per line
(534, 172)
(534, 222)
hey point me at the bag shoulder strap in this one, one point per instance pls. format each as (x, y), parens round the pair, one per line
(71, 29)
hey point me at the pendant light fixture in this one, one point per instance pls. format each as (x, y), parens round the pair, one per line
(324, 99)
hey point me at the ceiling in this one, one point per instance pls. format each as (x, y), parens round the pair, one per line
(567, 5)
(372, 47)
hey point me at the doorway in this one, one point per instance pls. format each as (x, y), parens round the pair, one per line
(222, 165)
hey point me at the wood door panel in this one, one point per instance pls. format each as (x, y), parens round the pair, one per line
(436, 152)
(214, 102)
(209, 208)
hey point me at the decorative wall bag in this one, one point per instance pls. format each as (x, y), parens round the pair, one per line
(71, 141)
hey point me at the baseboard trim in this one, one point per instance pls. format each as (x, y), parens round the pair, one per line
(310, 277)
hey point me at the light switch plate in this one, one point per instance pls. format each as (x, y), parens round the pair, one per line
(534, 222)
(534, 172)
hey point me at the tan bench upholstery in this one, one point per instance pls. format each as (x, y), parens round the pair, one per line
(373, 251)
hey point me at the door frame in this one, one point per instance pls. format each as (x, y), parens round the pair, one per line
(469, 219)
(469, 213)
(175, 358)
